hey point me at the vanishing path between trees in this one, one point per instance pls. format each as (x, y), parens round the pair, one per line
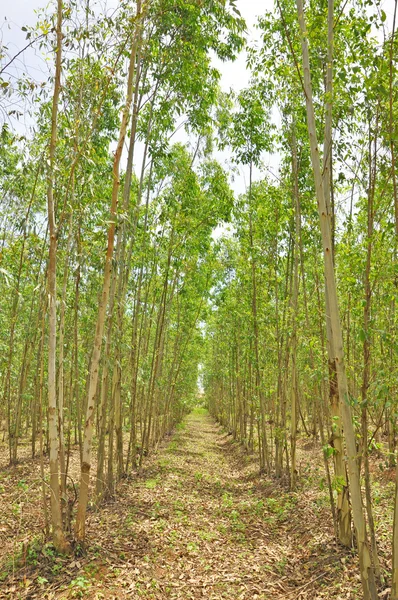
(199, 522)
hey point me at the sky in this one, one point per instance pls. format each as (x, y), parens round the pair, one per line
(234, 75)
(19, 13)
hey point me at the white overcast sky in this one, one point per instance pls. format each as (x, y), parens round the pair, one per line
(17, 13)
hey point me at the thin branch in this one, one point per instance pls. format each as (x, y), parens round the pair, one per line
(20, 52)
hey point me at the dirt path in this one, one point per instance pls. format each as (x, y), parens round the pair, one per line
(198, 523)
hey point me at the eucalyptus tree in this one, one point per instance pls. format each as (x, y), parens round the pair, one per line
(168, 96)
(56, 515)
(247, 131)
(346, 106)
(365, 557)
(21, 183)
(262, 227)
(352, 39)
(169, 64)
(270, 355)
(162, 93)
(96, 353)
(277, 60)
(184, 215)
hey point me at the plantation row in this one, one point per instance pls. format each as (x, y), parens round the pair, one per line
(132, 275)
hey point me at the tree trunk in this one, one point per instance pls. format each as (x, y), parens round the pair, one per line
(263, 450)
(293, 341)
(59, 539)
(366, 567)
(366, 349)
(343, 504)
(61, 372)
(96, 354)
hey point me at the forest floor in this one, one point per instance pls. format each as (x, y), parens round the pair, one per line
(198, 522)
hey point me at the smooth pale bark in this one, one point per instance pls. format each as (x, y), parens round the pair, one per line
(59, 539)
(118, 294)
(320, 390)
(323, 387)
(124, 261)
(156, 356)
(178, 356)
(156, 368)
(34, 404)
(136, 335)
(139, 349)
(283, 362)
(61, 372)
(144, 336)
(102, 421)
(285, 346)
(22, 384)
(279, 342)
(343, 504)
(327, 471)
(99, 330)
(119, 420)
(365, 560)
(391, 428)
(40, 400)
(367, 304)
(76, 388)
(134, 361)
(293, 340)
(263, 446)
(110, 479)
(12, 437)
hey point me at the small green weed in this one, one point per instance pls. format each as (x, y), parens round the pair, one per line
(281, 507)
(22, 485)
(258, 508)
(150, 484)
(156, 508)
(236, 522)
(56, 568)
(172, 447)
(227, 500)
(208, 536)
(79, 586)
(93, 568)
(192, 547)
(281, 565)
(173, 537)
(161, 525)
(178, 505)
(164, 463)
